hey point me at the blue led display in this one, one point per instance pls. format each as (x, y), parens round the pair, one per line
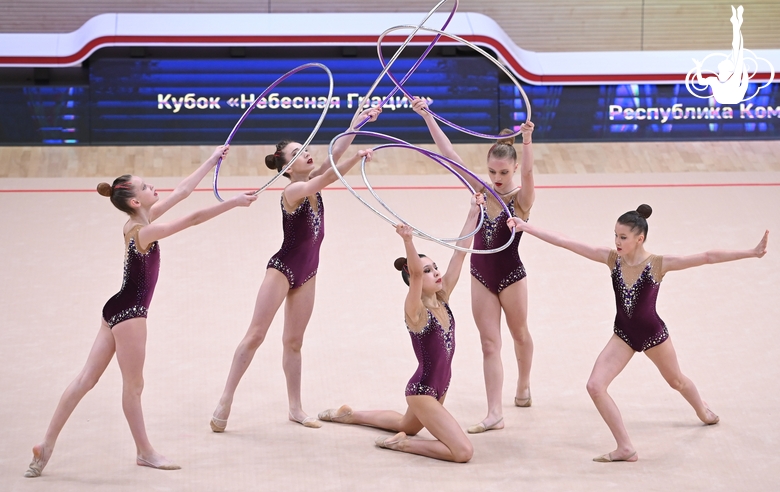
(197, 101)
(146, 101)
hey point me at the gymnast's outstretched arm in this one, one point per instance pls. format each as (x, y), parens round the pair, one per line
(451, 276)
(526, 195)
(341, 145)
(443, 143)
(157, 231)
(296, 191)
(413, 306)
(672, 263)
(590, 252)
(187, 185)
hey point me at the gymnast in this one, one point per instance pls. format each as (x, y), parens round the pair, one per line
(291, 273)
(498, 280)
(636, 279)
(123, 327)
(431, 326)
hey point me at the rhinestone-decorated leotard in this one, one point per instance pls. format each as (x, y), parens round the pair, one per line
(140, 278)
(637, 321)
(497, 271)
(299, 255)
(434, 347)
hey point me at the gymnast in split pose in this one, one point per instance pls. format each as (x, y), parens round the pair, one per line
(431, 325)
(291, 273)
(498, 280)
(636, 279)
(123, 327)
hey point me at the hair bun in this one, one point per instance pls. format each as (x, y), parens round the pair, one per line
(399, 263)
(644, 211)
(506, 141)
(270, 162)
(104, 189)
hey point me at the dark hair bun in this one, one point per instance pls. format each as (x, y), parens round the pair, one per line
(644, 211)
(270, 162)
(399, 263)
(104, 189)
(506, 141)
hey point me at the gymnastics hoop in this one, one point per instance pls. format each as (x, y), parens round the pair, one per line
(254, 105)
(395, 57)
(399, 85)
(438, 158)
(434, 156)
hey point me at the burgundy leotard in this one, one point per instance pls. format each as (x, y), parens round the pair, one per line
(138, 282)
(299, 255)
(434, 347)
(497, 271)
(637, 321)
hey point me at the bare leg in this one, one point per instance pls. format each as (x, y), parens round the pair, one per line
(99, 356)
(382, 419)
(486, 308)
(609, 364)
(451, 443)
(130, 338)
(514, 301)
(665, 359)
(297, 313)
(270, 296)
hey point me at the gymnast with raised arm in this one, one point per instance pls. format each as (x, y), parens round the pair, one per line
(291, 273)
(431, 325)
(123, 327)
(498, 280)
(636, 279)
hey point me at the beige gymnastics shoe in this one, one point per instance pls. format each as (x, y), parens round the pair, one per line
(481, 427)
(607, 458)
(336, 414)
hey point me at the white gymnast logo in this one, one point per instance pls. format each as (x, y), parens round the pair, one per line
(730, 83)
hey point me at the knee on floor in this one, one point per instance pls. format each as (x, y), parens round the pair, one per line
(463, 453)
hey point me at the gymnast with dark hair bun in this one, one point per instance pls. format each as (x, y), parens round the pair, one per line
(291, 272)
(431, 326)
(636, 279)
(123, 328)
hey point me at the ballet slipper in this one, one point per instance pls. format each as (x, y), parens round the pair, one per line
(607, 458)
(523, 402)
(391, 442)
(336, 414)
(481, 427)
(218, 425)
(715, 420)
(38, 462)
(310, 422)
(169, 466)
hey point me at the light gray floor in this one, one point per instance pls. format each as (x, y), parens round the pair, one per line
(62, 258)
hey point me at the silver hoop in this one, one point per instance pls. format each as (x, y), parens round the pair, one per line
(439, 158)
(395, 57)
(252, 107)
(419, 232)
(478, 50)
